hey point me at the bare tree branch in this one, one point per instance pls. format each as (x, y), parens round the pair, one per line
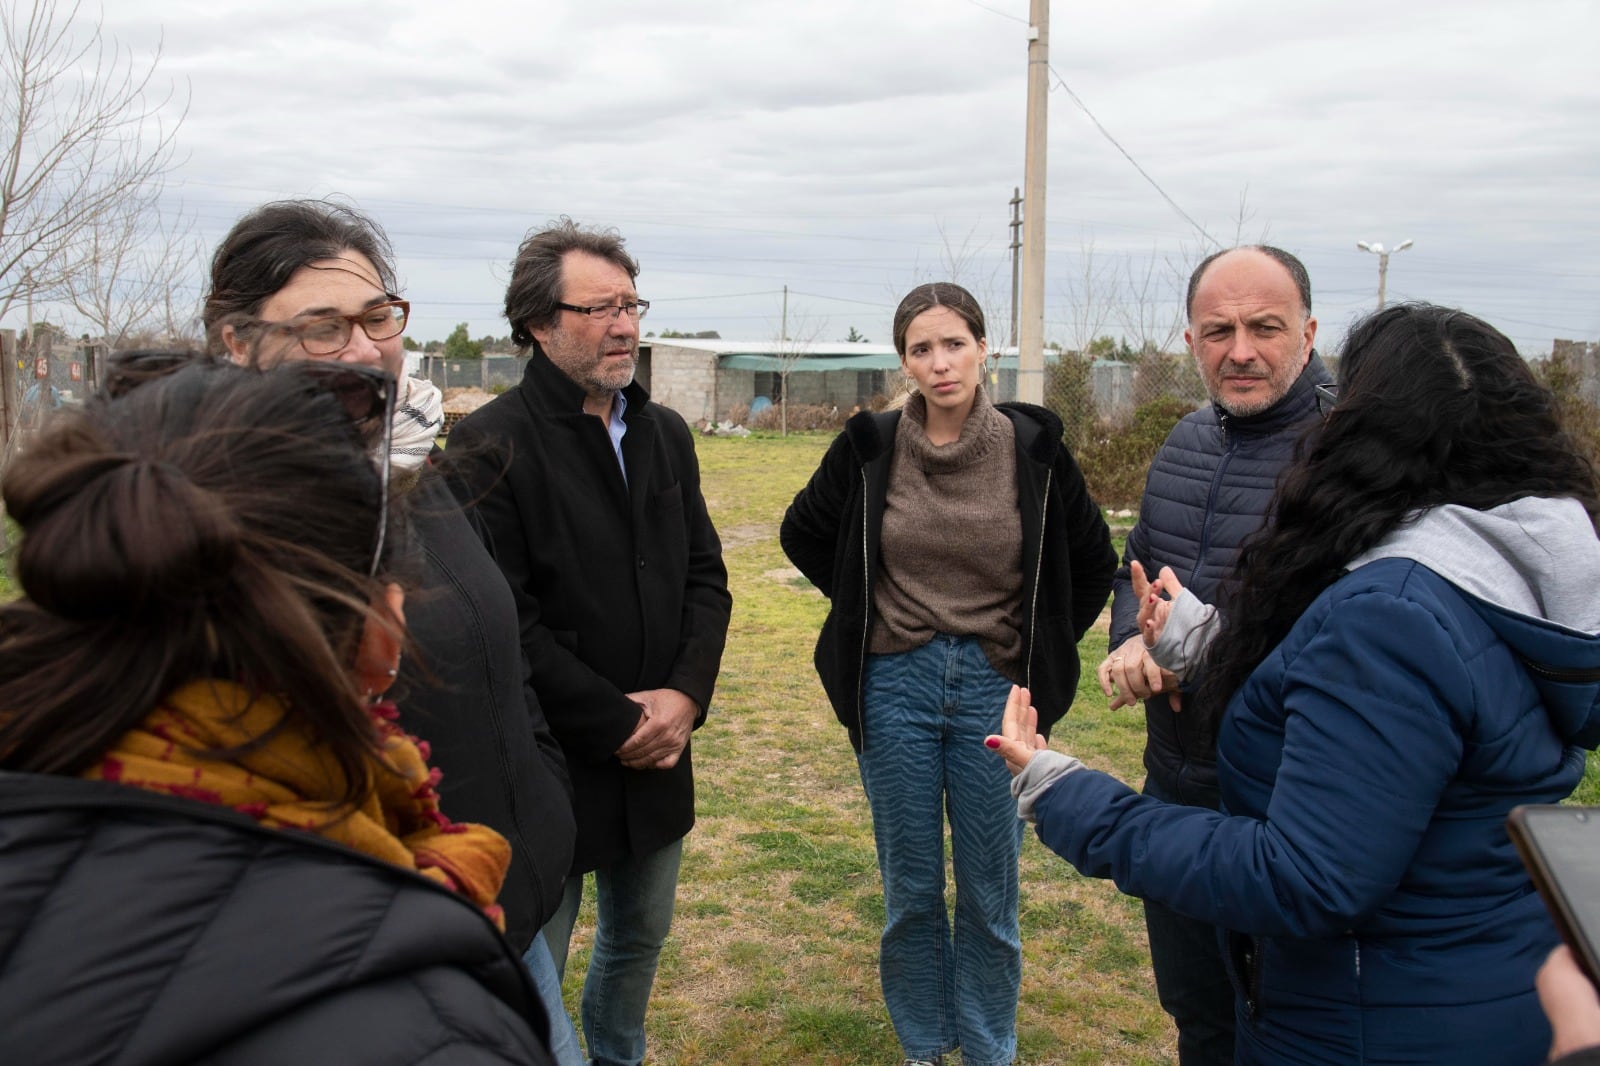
(1151, 310)
(1090, 295)
(792, 342)
(81, 134)
(140, 262)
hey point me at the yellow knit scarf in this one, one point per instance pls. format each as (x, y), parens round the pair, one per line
(291, 782)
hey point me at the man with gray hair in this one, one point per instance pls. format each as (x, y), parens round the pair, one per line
(590, 496)
(1209, 488)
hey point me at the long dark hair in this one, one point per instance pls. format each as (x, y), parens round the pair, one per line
(1434, 407)
(215, 523)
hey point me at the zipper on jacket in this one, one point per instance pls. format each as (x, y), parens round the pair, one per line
(866, 619)
(1252, 958)
(1571, 675)
(1211, 494)
(1038, 572)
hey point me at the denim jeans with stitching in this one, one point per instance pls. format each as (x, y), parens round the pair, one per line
(547, 982)
(633, 903)
(946, 984)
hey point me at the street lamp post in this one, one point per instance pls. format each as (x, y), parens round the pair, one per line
(1383, 255)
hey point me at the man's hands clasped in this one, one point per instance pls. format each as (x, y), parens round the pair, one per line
(666, 718)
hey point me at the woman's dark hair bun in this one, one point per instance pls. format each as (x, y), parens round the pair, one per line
(113, 535)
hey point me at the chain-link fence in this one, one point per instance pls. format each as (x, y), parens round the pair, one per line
(1117, 412)
(39, 373)
(491, 373)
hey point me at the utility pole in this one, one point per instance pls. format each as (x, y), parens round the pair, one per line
(1383, 255)
(1030, 342)
(1016, 259)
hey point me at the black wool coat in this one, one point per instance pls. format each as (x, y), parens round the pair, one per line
(466, 693)
(619, 586)
(831, 534)
(147, 930)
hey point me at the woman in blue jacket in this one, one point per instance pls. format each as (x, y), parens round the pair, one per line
(1411, 652)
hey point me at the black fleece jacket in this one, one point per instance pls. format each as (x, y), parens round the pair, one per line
(831, 533)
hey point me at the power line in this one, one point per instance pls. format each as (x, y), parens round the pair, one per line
(997, 11)
(1134, 162)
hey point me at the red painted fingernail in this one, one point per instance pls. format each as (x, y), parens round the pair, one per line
(991, 742)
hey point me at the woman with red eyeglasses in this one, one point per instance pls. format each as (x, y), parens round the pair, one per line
(216, 845)
(315, 280)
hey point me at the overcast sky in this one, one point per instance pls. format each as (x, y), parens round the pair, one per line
(846, 150)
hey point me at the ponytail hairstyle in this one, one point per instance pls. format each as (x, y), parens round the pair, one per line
(212, 523)
(1434, 407)
(934, 294)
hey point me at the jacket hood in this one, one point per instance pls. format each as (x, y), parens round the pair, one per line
(1519, 564)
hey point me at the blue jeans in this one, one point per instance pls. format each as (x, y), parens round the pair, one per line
(633, 903)
(927, 712)
(1191, 978)
(563, 1037)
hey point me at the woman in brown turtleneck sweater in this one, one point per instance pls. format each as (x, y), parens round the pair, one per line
(962, 554)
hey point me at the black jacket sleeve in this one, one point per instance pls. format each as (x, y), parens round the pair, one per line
(809, 534)
(707, 604)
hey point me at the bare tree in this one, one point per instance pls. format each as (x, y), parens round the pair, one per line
(81, 135)
(140, 263)
(1151, 310)
(792, 342)
(1090, 296)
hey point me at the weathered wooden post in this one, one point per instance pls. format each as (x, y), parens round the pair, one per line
(10, 394)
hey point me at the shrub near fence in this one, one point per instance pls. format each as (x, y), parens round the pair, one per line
(1114, 453)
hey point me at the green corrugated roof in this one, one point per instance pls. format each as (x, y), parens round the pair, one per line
(810, 363)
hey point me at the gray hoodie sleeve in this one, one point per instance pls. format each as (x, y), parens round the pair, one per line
(1042, 771)
(1190, 628)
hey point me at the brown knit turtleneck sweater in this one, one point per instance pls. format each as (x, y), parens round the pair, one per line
(951, 555)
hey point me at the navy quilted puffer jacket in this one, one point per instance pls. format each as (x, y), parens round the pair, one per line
(1208, 490)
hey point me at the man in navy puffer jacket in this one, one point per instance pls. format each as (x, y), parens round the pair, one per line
(1208, 489)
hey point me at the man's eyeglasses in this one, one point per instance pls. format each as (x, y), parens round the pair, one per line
(327, 334)
(1327, 397)
(610, 312)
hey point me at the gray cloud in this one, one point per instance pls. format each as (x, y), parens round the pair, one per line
(837, 147)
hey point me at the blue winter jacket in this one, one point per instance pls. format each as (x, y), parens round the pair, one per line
(1374, 908)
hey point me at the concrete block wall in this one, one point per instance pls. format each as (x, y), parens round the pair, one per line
(684, 380)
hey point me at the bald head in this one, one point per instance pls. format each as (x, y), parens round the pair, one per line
(1291, 266)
